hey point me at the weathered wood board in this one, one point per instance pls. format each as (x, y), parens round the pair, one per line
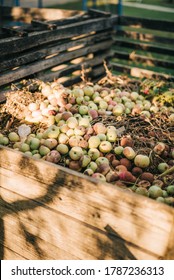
(50, 212)
(35, 51)
(144, 48)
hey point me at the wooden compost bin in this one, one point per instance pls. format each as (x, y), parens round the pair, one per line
(144, 48)
(54, 48)
(51, 212)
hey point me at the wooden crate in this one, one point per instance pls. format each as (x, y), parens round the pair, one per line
(144, 47)
(56, 48)
(51, 212)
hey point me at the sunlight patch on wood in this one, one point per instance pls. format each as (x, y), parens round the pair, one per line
(75, 48)
(63, 79)
(76, 73)
(59, 67)
(15, 68)
(83, 35)
(90, 55)
(51, 55)
(77, 60)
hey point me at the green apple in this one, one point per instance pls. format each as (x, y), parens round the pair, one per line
(24, 147)
(155, 191)
(13, 137)
(163, 166)
(103, 105)
(76, 153)
(72, 122)
(118, 110)
(101, 160)
(111, 136)
(79, 130)
(102, 136)
(50, 143)
(85, 160)
(92, 106)
(62, 149)
(63, 138)
(64, 128)
(88, 172)
(28, 153)
(105, 147)
(118, 150)
(43, 150)
(37, 156)
(39, 135)
(83, 110)
(88, 90)
(77, 91)
(79, 100)
(4, 140)
(84, 122)
(94, 153)
(94, 141)
(70, 132)
(92, 165)
(142, 161)
(34, 143)
(53, 132)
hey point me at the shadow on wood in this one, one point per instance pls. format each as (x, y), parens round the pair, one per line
(51, 212)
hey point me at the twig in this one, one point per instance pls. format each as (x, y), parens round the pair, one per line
(167, 172)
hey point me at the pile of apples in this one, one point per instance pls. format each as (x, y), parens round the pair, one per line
(96, 150)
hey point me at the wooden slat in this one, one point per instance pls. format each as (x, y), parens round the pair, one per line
(141, 35)
(170, 250)
(139, 72)
(14, 45)
(143, 59)
(38, 66)
(42, 233)
(23, 242)
(11, 255)
(143, 46)
(98, 59)
(92, 209)
(26, 14)
(162, 25)
(39, 53)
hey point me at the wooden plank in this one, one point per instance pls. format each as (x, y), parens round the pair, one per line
(162, 25)
(40, 53)
(42, 234)
(38, 66)
(27, 14)
(11, 255)
(141, 35)
(23, 242)
(14, 45)
(170, 249)
(139, 72)
(143, 59)
(139, 221)
(71, 68)
(91, 208)
(143, 46)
